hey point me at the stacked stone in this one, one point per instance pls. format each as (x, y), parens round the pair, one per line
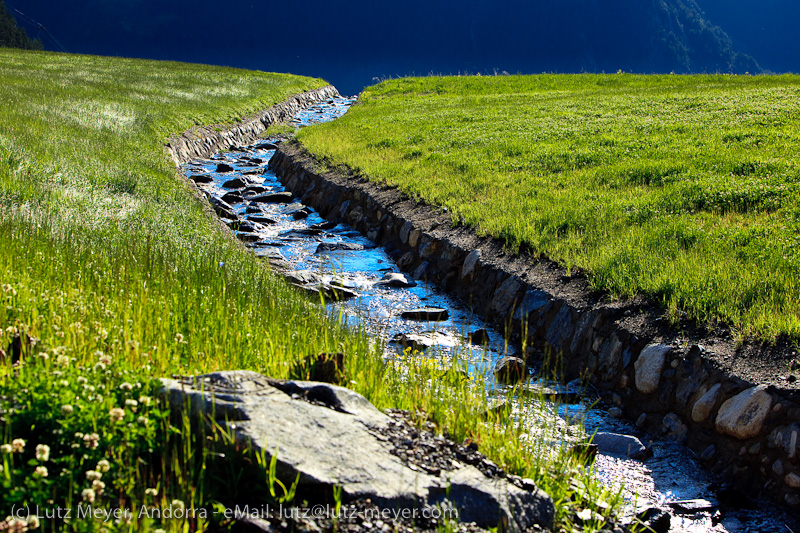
(203, 142)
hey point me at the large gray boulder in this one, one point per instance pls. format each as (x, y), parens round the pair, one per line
(333, 436)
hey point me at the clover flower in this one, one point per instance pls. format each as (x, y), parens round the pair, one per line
(103, 466)
(91, 440)
(18, 445)
(105, 359)
(93, 475)
(43, 452)
(98, 486)
(116, 414)
(151, 492)
(14, 525)
(88, 495)
(40, 471)
(6, 448)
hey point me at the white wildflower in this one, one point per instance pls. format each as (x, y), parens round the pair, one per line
(42, 452)
(91, 440)
(116, 414)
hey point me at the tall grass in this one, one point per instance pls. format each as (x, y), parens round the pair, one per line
(683, 188)
(113, 274)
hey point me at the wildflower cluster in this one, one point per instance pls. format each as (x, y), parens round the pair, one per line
(66, 423)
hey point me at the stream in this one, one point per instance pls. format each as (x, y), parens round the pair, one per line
(365, 287)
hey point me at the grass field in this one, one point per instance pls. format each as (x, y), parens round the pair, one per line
(111, 263)
(682, 188)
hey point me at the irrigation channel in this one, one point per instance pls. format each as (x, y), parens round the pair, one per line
(373, 295)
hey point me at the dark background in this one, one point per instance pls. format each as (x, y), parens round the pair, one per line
(358, 42)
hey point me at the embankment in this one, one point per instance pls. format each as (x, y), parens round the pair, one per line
(206, 141)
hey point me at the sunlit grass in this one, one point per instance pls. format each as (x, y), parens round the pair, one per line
(115, 272)
(683, 188)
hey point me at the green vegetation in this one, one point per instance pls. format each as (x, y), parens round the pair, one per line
(682, 188)
(112, 273)
(11, 35)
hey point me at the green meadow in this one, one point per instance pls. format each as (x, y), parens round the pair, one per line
(113, 273)
(681, 188)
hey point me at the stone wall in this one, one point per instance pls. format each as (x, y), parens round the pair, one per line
(669, 382)
(202, 142)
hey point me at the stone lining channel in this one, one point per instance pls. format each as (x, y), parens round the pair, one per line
(355, 254)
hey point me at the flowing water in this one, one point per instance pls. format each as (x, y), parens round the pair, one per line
(334, 256)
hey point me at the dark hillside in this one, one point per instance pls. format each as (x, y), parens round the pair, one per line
(11, 35)
(766, 29)
(350, 44)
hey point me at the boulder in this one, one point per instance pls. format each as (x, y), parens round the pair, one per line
(649, 366)
(339, 247)
(330, 436)
(300, 214)
(702, 408)
(510, 369)
(479, 337)
(431, 314)
(302, 277)
(626, 446)
(235, 183)
(324, 226)
(674, 428)
(265, 146)
(470, 262)
(414, 341)
(743, 415)
(689, 507)
(224, 167)
(505, 297)
(330, 293)
(273, 198)
(395, 280)
(239, 225)
(262, 220)
(610, 357)
(233, 197)
(222, 208)
(653, 520)
(201, 178)
(248, 237)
